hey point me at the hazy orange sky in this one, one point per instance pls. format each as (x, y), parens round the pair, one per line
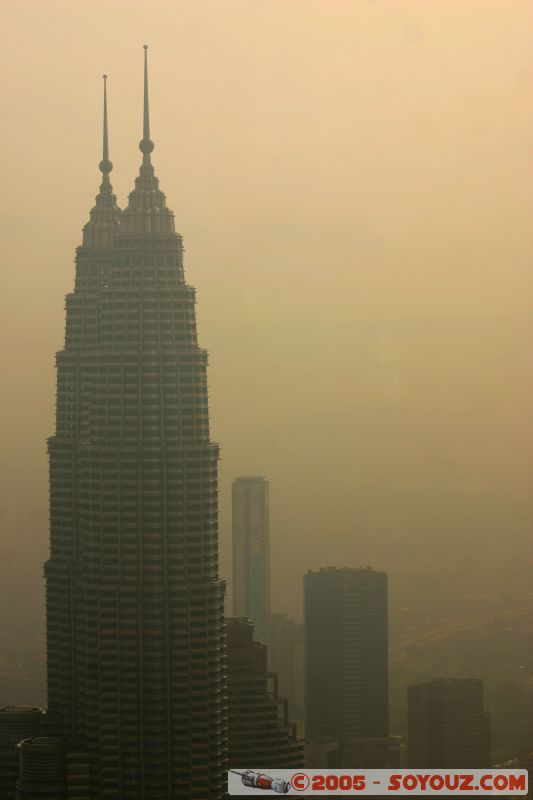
(353, 180)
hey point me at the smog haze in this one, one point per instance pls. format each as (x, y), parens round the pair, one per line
(354, 185)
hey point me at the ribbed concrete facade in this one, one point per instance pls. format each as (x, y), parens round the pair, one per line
(42, 769)
(136, 648)
(16, 723)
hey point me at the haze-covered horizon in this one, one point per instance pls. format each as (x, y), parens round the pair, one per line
(353, 182)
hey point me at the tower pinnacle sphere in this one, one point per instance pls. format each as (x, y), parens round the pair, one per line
(146, 146)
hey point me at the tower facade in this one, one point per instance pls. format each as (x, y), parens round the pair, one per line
(16, 723)
(448, 725)
(346, 656)
(260, 734)
(136, 641)
(42, 769)
(251, 553)
(286, 657)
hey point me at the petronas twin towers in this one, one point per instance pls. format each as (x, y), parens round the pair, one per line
(135, 626)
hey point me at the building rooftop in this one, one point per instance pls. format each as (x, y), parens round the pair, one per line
(342, 570)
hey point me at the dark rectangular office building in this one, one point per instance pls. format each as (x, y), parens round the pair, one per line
(346, 655)
(448, 725)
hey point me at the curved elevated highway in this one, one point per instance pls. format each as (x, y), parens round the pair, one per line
(399, 646)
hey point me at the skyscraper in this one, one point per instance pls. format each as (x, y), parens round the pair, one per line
(42, 769)
(251, 553)
(136, 648)
(259, 732)
(16, 723)
(286, 657)
(346, 656)
(448, 725)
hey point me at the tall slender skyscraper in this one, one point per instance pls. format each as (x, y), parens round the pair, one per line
(251, 553)
(136, 648)
(346, 656)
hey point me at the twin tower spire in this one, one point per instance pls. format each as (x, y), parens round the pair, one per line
(145, 145)
(146, 212)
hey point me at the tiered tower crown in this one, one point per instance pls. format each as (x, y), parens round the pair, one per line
(147, 212)
(104, 216)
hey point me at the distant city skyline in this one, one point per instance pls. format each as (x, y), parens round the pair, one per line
(358, 220)
(357, 212)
